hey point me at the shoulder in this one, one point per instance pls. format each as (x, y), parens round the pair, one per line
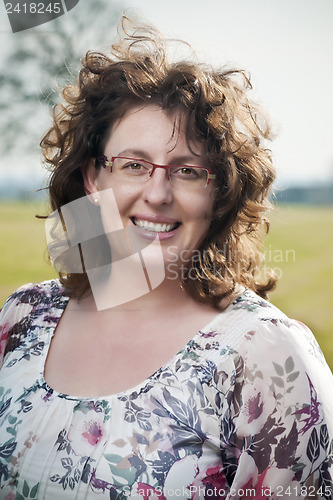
(26, 304)
(29, 296)
(271, 327)
(272, 389)
(255, 331)
(252, 308)
(249, 314)
(261, 354)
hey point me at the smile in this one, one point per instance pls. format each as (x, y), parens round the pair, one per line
(154, 227)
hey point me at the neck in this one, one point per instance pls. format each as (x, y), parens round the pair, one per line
(130, 288)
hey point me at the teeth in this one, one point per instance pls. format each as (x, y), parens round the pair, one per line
(156, 228)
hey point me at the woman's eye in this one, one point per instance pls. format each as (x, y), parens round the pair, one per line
(187, 172)
(135, 166)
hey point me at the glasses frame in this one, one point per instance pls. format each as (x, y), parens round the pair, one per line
(106, 163)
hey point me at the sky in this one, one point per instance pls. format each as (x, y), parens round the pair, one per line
(286, 45)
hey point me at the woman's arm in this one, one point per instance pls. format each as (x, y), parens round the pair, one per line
(277, 418)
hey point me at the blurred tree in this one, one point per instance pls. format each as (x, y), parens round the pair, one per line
(37, 64)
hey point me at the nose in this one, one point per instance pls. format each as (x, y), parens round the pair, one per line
(158, 189)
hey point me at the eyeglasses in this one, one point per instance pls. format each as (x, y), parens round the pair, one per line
(138, 170)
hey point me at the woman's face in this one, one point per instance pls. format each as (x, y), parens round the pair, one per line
(180, 217)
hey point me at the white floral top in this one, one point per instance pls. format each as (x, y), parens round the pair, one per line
(244, 410)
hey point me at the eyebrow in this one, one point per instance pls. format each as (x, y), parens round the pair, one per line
(179, 160)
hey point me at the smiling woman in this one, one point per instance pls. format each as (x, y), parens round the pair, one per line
(151, 201)
(212, 112)
(157, 368)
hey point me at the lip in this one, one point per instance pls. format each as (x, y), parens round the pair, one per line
(151, 235)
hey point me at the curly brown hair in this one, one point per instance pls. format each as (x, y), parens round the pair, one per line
(219, 114)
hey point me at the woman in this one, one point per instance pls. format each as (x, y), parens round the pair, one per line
(196, 387)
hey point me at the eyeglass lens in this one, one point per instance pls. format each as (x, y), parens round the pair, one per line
(140, 170)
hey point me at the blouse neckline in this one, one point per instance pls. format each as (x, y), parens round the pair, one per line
(60, 309)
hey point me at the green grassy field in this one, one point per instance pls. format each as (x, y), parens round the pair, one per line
(302, 238)
(299, 247)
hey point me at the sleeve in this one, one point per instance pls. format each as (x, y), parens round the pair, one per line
(13, 312)
(277, 416)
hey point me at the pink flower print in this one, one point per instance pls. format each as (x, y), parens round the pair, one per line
(255, 407)
(86, 431)
(214, 483)
(261, 493)
(214, 477)
(94, 432)
(258, 404)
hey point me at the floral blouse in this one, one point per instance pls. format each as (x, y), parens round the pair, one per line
(243, 411)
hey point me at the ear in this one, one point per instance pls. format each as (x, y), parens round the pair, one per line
(90, 177)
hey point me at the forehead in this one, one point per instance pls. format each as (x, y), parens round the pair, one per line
(152, 128)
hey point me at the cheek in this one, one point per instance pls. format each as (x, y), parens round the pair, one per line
(124, 198)
(198, 225)
(201, 217)
(199, 210)
(201, 229)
